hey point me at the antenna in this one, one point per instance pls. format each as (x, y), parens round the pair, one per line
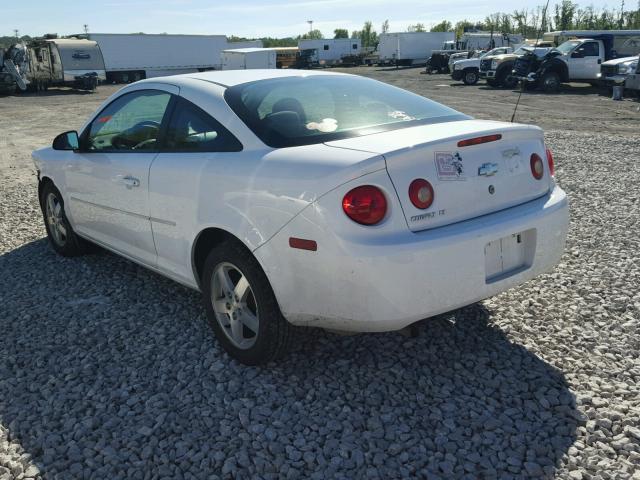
(542, 22)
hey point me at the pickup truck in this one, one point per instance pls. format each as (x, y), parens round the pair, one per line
(497, 69)
(468, 70)
(633, 81)
(577, 60)
(616, 71)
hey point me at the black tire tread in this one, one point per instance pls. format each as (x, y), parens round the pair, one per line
(75, 246)
(279, 335)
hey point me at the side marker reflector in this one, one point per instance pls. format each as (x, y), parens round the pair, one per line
(303, 244)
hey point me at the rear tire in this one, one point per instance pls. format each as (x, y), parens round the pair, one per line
(242, 309)
(61, 236)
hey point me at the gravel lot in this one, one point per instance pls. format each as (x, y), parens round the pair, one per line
(109, 371)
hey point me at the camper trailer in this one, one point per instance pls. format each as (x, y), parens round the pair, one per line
(46, 62)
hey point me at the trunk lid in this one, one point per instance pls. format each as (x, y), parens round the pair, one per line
(468, 181)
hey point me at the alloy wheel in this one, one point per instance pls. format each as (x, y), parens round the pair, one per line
(55, 219)
(234, 305)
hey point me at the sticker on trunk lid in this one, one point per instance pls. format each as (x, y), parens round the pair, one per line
(449, 166)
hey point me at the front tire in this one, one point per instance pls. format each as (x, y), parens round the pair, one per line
(470, 77)
(61, 236)
(241, 307)
(550, 82)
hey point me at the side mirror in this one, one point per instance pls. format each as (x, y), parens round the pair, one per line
(67, 141)
(577, 54)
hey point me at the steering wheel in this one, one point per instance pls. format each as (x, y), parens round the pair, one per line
(131, 137)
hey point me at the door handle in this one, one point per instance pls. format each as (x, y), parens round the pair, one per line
(131, 182)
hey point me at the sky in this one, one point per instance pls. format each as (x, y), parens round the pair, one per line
(245, 18)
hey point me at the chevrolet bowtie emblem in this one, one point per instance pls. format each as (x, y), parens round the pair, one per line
(488, 169)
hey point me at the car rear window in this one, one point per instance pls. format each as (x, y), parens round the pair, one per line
(291, 111)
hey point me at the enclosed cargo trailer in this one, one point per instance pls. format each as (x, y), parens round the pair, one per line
(248, 58)
(131, 57)
(330, 51)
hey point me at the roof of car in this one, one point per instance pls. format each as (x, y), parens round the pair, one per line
(229, 78)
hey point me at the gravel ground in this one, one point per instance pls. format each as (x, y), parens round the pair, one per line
(109, 371)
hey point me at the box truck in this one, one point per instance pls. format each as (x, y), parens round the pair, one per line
(410, 48)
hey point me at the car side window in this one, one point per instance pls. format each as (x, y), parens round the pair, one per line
(591, 49)
(129, 123)
(191, 129)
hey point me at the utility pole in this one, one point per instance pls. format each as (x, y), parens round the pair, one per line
(621, 15)
(310, 22)
(15, 33)
(86, 28)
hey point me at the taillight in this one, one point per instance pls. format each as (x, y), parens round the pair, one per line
(552, 166)
(537, 167)
(366, 205)
(478, 140)
(421, 193)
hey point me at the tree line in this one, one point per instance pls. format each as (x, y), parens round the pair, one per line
(566, 15)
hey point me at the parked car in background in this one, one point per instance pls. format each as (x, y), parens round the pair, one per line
(297, 198)
(497, 69)
(615, 72)
(632, 81)
(468, 70)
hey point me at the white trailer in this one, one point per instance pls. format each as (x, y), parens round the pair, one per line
(244, 44)
(248, 58)
(411, 47)
(131, 57)
(332, 50)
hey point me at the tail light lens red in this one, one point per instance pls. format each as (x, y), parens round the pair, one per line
(537, 167)
(421, 193)
(552, 166)
(479, 140)
(366, 205)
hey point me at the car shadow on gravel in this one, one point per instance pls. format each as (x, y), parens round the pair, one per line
(109, 371)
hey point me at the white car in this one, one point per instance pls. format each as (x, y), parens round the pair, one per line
(297, 198)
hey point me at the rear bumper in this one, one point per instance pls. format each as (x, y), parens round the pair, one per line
(386, 285)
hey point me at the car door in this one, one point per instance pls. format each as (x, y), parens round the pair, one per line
(195, 143)
(587, 66)
(107, 182)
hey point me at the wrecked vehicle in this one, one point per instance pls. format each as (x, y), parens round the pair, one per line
(577, 60)
(615, 72)
(41, 63)
(497, 69)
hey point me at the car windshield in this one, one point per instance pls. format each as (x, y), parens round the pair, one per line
(292, 111)
(566, 47)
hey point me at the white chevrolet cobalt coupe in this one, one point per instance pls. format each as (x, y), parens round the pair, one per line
(305, 198)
